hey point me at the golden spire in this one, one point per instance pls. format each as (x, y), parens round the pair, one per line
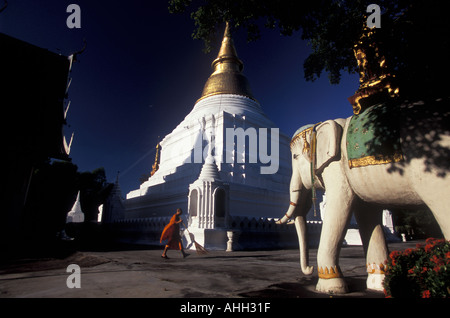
(227, 77)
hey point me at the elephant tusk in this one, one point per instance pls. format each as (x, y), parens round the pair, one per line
(286, 218)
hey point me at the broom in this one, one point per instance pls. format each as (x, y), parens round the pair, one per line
(200, 249)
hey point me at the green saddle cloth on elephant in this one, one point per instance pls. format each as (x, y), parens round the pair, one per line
(373, 137)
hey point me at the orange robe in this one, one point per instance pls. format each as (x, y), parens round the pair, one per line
(171, 233)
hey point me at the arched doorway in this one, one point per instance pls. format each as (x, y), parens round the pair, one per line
(193, 203)
(220, 207)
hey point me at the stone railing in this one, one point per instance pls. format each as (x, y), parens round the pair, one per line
(243, 223)
(250, 232)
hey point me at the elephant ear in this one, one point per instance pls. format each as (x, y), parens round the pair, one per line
(328, 144)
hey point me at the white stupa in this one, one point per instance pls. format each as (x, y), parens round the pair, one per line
(75, 215)
(226, 159)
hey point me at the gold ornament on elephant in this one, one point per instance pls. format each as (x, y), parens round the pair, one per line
(302, 134)
(375, 80)
(333, 272)
(376, 269)
(374, 160)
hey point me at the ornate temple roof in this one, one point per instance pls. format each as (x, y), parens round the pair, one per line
(41, 76)
(227, 77)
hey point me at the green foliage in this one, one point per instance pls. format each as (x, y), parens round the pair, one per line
(423, 272)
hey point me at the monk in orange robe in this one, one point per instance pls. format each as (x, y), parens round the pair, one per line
(171, 233)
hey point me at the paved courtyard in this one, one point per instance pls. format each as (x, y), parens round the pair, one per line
(141, 272)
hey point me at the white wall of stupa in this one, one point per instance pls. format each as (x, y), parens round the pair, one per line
(184, 151)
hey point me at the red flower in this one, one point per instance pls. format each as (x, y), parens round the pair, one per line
(394, 255)
(423, 265)
(437, 260)
(407, 251)
(431, 240)
(426, 294)
(434, 241)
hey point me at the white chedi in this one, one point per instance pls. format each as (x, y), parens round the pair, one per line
(75, 215)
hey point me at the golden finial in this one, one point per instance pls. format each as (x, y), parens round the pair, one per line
(227, 77)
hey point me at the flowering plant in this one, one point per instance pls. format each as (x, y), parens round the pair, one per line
(420, 272)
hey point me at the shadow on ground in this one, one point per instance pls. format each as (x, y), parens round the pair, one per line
(305, 288)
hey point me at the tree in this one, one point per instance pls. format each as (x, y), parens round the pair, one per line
(92, 194)
(53, 189)
(51, 195)
(414, 35)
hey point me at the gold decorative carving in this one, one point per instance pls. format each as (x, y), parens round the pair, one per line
(155, 166)
(330, 273)
(376, 269)
(374, 77)
(302, 134)
(306, 145)
(294, 139)
(374, 160)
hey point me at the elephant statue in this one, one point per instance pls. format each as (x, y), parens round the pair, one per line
(387, 156)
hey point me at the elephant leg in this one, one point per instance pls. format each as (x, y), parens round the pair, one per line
(339, 198)
(369, 218)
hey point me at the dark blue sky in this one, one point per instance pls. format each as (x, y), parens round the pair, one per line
(141, 74)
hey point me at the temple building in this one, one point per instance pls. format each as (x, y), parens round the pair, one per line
(226, 165)
(34, 89)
